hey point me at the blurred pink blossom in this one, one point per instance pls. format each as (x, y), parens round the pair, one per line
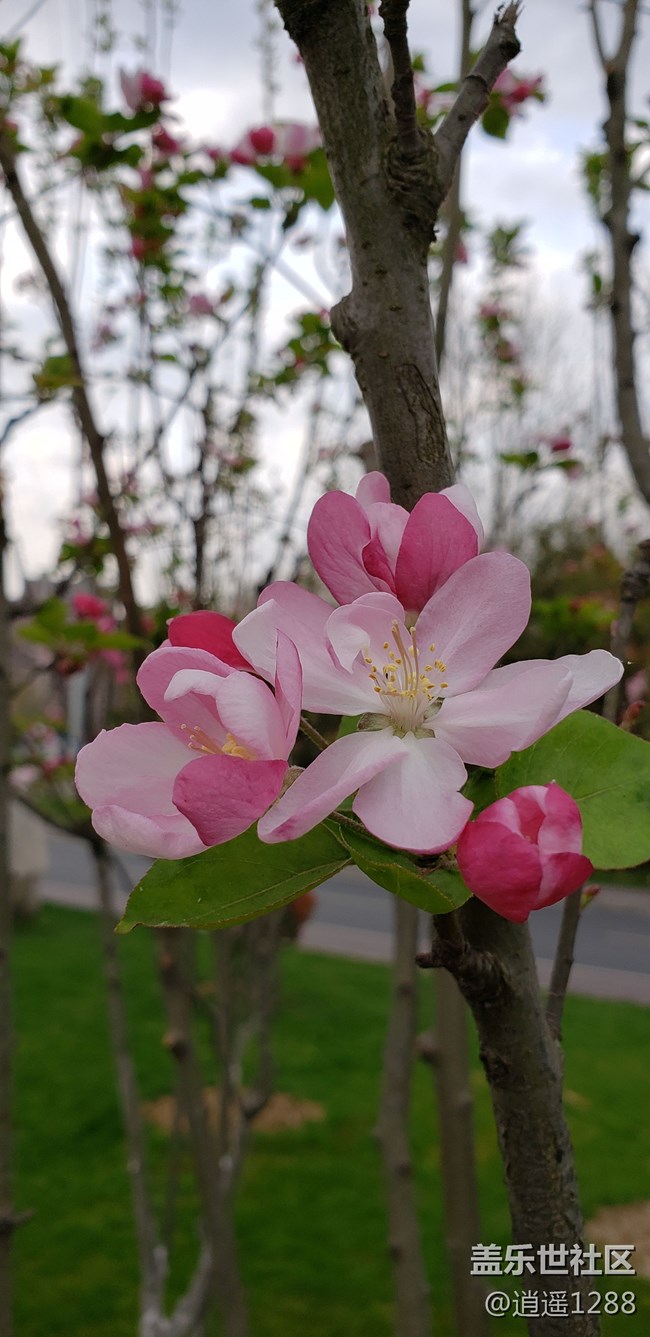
(142, 89)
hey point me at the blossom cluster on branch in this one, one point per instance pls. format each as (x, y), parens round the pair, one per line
(408, 657)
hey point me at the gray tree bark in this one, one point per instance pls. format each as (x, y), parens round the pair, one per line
(622, 240)
(390, 182)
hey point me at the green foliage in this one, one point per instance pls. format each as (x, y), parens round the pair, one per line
(607, 772)
(51, 626)
(525, 459)
(56, 373)
(480, 788)
(80, 1247)
(437, 892)
(495, 119)
(310, 182)
(234, 882)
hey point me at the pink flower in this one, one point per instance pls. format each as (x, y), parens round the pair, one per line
(524, 851)
(364, 543)
(200, 305)
(141, 89)
(559, 444)
(428, 698)
(636, 687)
(244, 152)
(295, 142)
(515, 90)
(462, 254)
(165, 143)
(204, 774)
(291, 141)
(89, 605)
(262, 139)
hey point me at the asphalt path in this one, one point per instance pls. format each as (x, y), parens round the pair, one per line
(353, 918)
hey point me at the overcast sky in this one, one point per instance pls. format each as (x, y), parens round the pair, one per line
(212, 64)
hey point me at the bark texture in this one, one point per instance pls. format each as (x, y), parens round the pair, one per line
(622, 239)
(389, 199)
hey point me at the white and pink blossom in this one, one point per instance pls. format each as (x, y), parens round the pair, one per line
(141, 90)
(213, 764)
(426, 696)
(366, 542)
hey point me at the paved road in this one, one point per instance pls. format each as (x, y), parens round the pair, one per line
(353, 918)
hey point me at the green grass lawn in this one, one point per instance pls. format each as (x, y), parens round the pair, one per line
(311, 1216)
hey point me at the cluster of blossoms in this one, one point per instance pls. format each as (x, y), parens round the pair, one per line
(90, 608)
(514, 90)
(410, 652)
(289, 142)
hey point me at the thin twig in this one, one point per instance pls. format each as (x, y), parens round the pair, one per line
(313, 734)
(635, 586)
(562, 963)
(453, 210)
(393, 13)
(95, 439)
(501, 47)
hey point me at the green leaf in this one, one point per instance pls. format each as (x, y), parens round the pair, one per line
(607, 772)
(233, 882)
(495, 119)
(480, 788)
(525, 459)
(348, 725)
(437, 892)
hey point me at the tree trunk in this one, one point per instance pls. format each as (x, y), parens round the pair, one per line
(389, 194)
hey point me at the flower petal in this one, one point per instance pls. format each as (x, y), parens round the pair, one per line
(222, 795)
(302, 617)
(374, 487)
(127, 776)
(415, 806)
(332, 777)
(461, 497)
(156, 837)
(155, 675)
(356, 627)
(503, 715)
(437, 540)
(561, 830)
(133, 765)
(592, 675)
(337, 533)
(207, 631)
(288, 689)
(387, 525)
(501, 868)
(476, 616)
(563, 874)
(244, 707)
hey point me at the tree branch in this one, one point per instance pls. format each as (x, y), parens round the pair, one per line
(622, 243)
(393, 13)
(412, 1299)
(216, 1203)
(635, 586)
(453, 210)
(152, 1256)
(457, 1155)
(562, 963)
(501, 47)
(479, 974)
(93, 436)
